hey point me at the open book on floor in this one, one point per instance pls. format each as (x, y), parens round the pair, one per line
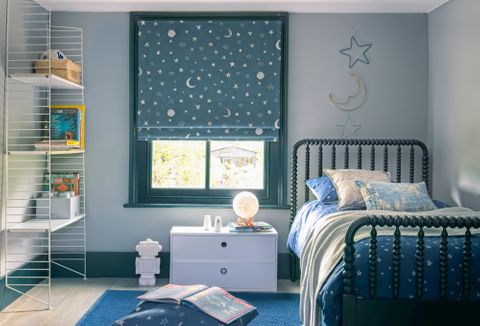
(214, 301)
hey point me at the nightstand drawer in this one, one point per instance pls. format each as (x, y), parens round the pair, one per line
(232, 276)
(224, 248)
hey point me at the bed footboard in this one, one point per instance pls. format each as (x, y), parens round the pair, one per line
(417, 311)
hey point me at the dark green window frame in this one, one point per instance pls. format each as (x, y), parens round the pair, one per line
(140, 192)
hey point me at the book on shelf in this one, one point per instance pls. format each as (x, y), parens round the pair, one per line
(55, 145)
(213, 301)
(66, 128)
(257, 227)
(65, 182)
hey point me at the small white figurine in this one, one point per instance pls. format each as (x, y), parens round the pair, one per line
(148, 264)
(217, 226)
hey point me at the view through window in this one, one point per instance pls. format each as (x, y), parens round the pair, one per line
(208, 165)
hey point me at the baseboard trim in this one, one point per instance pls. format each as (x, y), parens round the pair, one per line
(122, 265)
(7, 296)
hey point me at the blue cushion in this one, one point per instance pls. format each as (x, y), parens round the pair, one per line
(405, 197)
(150, 313)
(440, 204)
(323, 189)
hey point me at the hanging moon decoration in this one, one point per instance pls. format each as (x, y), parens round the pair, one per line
(354, 101)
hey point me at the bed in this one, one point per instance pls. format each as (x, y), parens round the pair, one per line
(373, 267)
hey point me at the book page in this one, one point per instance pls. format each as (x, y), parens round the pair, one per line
(220, 304)
(171, 293)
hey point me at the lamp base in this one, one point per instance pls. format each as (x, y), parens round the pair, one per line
(245, 221)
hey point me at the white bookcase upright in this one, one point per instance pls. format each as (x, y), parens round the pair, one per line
(35, 243)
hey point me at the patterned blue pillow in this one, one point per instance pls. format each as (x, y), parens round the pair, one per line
(323, 189)
(404, 197)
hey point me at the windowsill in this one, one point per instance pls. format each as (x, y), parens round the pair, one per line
(179, 205)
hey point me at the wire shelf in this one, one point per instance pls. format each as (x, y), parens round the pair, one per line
(33, 237)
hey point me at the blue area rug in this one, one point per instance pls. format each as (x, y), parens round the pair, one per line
(276, 309)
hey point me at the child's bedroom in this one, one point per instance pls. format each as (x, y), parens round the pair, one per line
(229, 162)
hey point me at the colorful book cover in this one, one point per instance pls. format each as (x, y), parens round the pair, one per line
(67, 123)
(63, 182)
(219, 304)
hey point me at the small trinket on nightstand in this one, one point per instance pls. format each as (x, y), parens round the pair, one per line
(218, 224)
(207, 222)
(148, 264)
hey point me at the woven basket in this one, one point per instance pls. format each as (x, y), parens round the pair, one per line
(66, 69)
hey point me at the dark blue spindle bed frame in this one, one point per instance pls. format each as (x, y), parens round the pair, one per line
(395, 311)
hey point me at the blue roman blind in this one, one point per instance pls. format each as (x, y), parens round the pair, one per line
(203, 78)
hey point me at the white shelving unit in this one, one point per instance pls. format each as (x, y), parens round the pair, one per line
(39, 225)
(43, 80)
(37, 245)
(54, 152)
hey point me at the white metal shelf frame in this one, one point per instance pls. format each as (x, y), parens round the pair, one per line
(34, 242)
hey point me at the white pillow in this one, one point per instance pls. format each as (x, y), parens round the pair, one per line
(349, 195)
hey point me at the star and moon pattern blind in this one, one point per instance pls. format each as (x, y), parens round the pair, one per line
(200, 78)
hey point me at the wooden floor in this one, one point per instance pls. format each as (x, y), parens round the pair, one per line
(73, 297)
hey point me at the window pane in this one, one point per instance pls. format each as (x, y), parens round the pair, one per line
(237, 164)
(178, 164)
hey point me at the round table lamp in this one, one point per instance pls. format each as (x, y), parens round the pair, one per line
(245, 205)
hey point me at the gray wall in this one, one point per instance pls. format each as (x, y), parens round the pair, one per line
(397, 82)
(454, 107)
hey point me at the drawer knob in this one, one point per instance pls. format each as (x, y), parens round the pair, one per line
(224, 244)
(223, 271)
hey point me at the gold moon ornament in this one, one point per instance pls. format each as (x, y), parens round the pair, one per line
(354, 101)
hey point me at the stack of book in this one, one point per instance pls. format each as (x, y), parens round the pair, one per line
(257, 227)
(57, 145)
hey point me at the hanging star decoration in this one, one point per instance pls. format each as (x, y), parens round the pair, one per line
(356, 52)
(348, 129)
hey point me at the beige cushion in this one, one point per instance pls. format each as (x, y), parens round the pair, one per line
(349, 195)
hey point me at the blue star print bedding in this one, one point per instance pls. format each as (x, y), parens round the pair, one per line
(305, 221)
(329, 299)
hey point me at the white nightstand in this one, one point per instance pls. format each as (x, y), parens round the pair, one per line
(233, 261)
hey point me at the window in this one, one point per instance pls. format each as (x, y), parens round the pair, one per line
(208, 172)
(208, 165)
(203, 128)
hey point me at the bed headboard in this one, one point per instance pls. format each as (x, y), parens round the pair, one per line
(401, 157)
